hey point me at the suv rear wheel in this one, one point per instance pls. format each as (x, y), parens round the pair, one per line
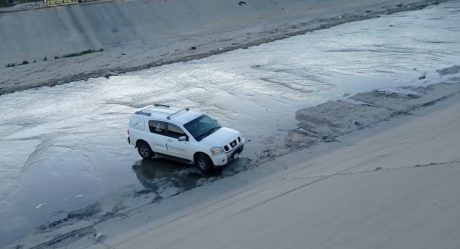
(144, 150)
(204, 163)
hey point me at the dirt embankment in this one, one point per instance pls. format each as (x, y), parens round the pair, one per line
(57, 45)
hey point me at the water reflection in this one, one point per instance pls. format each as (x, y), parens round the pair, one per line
(158, 175)
(166, 178)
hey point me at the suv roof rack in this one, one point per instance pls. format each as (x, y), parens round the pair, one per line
(185, 109)
(143, 113)
(143, 110)
(163, 105)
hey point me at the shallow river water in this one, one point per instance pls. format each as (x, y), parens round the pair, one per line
(63, 148)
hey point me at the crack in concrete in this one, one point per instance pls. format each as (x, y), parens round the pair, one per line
(340, 173)
(382, 169)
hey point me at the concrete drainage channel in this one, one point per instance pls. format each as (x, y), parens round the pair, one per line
(75, 170)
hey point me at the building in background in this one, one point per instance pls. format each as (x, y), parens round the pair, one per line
(6, 3)
(59, 2)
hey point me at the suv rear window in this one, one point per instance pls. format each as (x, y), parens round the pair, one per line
(165, 129)
(157, 127)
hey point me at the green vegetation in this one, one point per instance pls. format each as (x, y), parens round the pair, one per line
(82, 53)
(57, 57)
(6, 3)
(3, 3)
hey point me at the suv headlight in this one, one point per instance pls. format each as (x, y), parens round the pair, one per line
(217, 150)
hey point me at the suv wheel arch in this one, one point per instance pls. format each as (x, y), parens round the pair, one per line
(144, 149)
(203, 162)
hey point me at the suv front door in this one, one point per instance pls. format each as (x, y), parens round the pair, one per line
(157, 136)
(175, 147)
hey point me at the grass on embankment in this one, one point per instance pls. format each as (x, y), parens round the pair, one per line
(89, 51)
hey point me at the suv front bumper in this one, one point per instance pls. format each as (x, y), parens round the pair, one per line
(223, 159)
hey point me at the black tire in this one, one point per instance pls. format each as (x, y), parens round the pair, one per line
(144, 150)
(204, 163)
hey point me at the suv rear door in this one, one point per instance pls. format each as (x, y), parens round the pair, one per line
(157, 136)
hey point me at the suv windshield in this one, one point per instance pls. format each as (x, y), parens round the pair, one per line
(202, 127)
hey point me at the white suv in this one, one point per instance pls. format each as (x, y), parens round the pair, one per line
(183, 135)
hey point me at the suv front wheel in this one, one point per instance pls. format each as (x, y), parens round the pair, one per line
(144, 150)
(204, 163)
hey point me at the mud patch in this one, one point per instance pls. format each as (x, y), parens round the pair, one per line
(294, 140)
(449, 70)
(405, 99)
(388, 100)
(335, 118)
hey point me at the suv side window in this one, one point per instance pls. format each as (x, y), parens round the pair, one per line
(174, 131)
(157, 127)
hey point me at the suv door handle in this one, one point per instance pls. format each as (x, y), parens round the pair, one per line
(169, 140)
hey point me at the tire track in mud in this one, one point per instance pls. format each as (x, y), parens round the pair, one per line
(296, 79)
(65, 239)
(40, 152)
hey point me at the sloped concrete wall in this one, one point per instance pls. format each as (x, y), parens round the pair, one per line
(32, 35)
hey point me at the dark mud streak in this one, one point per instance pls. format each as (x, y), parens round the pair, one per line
(84, 213)
(436, 101)
(394, 111)
(449, 70)
(66, 239)
(267, 36)
(284, 84)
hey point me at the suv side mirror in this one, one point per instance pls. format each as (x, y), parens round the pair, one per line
(183, 138)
